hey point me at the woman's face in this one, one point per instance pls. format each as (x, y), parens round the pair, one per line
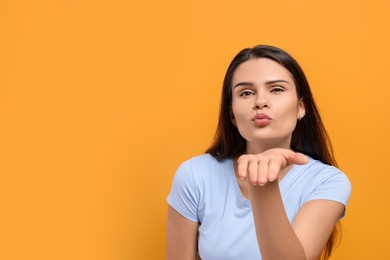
(265, 105)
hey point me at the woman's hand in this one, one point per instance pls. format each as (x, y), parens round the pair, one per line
(266, 167)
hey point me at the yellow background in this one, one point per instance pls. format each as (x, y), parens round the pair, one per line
(100, 101)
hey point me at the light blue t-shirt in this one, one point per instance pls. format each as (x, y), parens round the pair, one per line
(206, 191)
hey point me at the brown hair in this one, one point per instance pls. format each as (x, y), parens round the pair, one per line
(309, 136)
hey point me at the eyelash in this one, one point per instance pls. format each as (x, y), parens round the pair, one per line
(277, 89)
(273, 90)
(246, 93)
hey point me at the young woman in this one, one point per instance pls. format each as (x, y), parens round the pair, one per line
(267, 188)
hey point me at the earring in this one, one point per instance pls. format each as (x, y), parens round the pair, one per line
(299, 118)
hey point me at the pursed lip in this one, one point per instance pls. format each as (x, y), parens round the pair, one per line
(261, 116)
(261, 120)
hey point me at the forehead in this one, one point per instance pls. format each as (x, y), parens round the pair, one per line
(261, 70)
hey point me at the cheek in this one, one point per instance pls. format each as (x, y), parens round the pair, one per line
(238, 113)
(289, 108)
(290, 117)
(234, 111)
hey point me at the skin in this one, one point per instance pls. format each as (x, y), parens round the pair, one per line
(262, 86)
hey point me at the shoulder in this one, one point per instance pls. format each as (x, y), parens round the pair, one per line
(203, 163)
(202, 159)
(203, 170)
(326, 181)
(322, 172)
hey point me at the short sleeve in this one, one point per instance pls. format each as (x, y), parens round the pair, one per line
(333, 185)
(183, 196)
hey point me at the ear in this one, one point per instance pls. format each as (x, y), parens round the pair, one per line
(232, 119)
(301, 110)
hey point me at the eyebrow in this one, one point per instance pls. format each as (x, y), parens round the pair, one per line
(266, 83)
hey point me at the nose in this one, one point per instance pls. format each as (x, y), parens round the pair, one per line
(260, 103)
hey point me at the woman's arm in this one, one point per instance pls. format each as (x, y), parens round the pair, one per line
(182, 236)
(277, 238)
(314, 224)
(305, 238)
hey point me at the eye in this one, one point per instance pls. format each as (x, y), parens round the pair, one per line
(246, 93)
(277, 89)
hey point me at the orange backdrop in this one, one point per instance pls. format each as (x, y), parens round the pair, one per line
(100, 101)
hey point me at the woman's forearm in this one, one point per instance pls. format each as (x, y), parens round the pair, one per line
(275, 234)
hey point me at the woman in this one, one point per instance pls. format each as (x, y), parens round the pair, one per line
(267, 188)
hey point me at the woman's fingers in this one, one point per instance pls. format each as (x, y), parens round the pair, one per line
(299, 158)
(262, 172)
(252, 170)
(242, 166)
(273, 170)
(265, 167)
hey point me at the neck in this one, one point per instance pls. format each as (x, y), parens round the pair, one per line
(256, 148)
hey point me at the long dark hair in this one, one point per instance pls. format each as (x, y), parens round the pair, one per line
(309, 136)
